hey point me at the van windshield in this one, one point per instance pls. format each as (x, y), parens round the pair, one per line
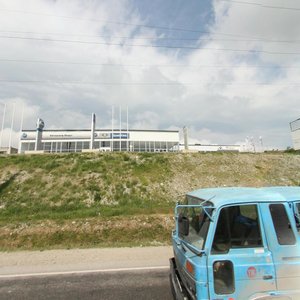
(198, 221)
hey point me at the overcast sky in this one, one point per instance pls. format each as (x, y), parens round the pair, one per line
(225, 69)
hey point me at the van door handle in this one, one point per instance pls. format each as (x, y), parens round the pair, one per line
(267, 277)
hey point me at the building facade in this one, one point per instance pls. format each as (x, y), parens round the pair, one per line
(210, 148)
(59, 141)
(295, 131)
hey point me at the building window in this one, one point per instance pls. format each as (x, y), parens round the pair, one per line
(31, 146)
(86, 145)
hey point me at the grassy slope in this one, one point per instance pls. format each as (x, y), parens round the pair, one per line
(83, 200)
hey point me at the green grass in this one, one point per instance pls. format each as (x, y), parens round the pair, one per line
(292, 151)
(66, 187)
(82, 238)
(70, 186)
(80, 185)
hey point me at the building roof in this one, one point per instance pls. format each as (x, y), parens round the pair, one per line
(229, 195)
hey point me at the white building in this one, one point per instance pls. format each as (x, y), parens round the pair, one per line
(8, 150)
(210, 148)
(295, 130)
(57, 141)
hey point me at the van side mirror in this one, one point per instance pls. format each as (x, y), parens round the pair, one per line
(183, 225)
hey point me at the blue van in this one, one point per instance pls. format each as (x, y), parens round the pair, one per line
(236, 244)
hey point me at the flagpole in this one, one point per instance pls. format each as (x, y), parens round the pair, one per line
(21, 128)
(2, 128)
(120, 128)
(112, 128)
(127, 129)
(11, 128)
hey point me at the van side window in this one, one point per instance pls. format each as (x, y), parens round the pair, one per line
(223, 277)
(284, 232)
(237, 227)
(297, 214)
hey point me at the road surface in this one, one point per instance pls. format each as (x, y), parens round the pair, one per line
(126, 273)
(151, 284)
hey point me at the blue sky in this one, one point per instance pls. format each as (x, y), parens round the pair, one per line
(62, 60)
(196, 16)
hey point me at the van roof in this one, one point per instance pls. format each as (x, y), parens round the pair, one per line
(229, 195)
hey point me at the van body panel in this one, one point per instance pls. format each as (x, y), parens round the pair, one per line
(253, 267)
(252, 272)
(286, 257)
(194, 283)
(252, 247)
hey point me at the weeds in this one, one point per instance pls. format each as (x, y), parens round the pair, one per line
(66, 187)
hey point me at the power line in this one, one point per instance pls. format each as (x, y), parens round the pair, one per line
(107, 21)
(105, 36)
(108, 36)
(263, 5)
(89, 82)
(151, 46)
(156, 38)
(150, 65)
(128, 24)
(142, 83)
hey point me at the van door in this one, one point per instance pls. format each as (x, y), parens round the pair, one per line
(284, 241)
(240, 263)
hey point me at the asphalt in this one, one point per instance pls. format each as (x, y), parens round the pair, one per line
(146, 284)
(116, 273)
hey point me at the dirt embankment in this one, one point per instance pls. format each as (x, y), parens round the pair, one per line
(141, 230)
(117, 199)
(193, 171)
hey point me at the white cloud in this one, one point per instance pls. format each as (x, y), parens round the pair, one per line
(222, 96)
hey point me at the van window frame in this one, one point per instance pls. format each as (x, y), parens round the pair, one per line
(296, 211)
(205, 223)
(207, 208)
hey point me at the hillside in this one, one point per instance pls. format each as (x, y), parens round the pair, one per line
(107, 199)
